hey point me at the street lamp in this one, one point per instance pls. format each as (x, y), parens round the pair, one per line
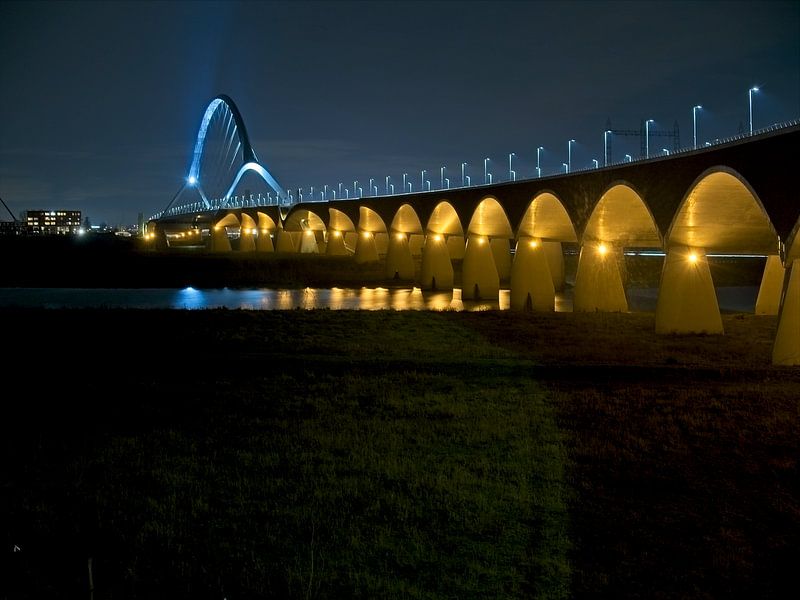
(422, 180)
(441, 176)
(371, 186)
(665, 151)
(409, 187)
(694, 124)
(355, 187)
(404, 181)
(750, 94)
(340, 189)
(387, 184)
(538, 161)
(566, 167)
(447, 183)
(485, 170)
(463, 179)
(628, 158)
(647, 137)
(325, 193)
(569, 155)
(596, 164)
(605, 147)
(511, 175)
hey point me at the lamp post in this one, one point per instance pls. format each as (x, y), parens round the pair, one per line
(387, 184)
(647, 137)
(750, 94)
(422, 180)
(485, 170)
(628, 158)
(596, 164)
(665, 151)
(511, 175)
(566, 167)
(569, 155)
(409, 187)
(447, 183)
(340, 189)
(538, 161)
(694, 124)
(605, 147)
(371, 186)
(404, 181)
(441, 178)
(325, 193)
(355, 187)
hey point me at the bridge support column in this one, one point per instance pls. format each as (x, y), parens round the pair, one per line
(598, 281)
(284, 242)
(479, 278)
(501, 250)
(769, 294)
(786, 350)
(264, 242)
(555, 260)
(308, 242)
(531, 282)
(437, 269)
(336, 245)
(455, 246)
(247, 241)
(399, 262)
(366, 249)
(687, 301)
(219, 239)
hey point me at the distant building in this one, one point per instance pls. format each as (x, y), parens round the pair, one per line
(12, 228)
(53, 222)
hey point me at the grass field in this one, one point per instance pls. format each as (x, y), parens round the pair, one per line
(395, 454)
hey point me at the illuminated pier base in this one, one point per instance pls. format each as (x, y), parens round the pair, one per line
(264, 242)
(366, 249)
(687, 301)
(247, 239)
(399, 262)
(501, 250)
(555, 260)
(769, 294)
(308, 243)
(336, 245)
(479, 278)
(598, 282)
(437, 270)
(219, 239)
(531, 282)
(786, 350)
(284, 241)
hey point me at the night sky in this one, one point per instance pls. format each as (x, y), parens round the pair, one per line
(101, 101)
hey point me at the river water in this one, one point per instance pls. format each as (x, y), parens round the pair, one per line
(731, 299)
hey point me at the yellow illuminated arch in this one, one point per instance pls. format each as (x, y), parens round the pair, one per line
(340, 221)
(546, 218)
(369, 220)
(490, 219)
(721, 212)
(406, 220)
(301, 220)
(622, 217)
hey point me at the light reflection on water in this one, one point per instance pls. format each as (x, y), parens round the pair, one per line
(731, 299)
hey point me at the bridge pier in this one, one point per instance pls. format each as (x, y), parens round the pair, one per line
(336, 246)
(455, 246)
(687, 300)
(437, 269)
(479, 278)
(308, 242)
(366, 249)
(284, 242)
(501, 251)
(247, 230)
(769, 293)
(531, 281)
(598, 281)
(786, 350)
(399, 262)
(264, 242)
(555, 260)
(219, 239)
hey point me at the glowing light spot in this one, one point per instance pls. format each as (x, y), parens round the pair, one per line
(437, 238)
(366, 234)
(602, 249)
(336, 233)
(533, 243)
(192, 180)
(481, 241)
(254, 231)
(692, 257)
(309, 232)
(400, 237)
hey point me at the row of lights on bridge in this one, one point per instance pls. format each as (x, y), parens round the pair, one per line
(425, 184)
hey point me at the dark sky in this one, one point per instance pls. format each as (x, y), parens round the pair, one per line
(101, 101)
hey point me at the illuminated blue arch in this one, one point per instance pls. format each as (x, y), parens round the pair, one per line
(249, 157)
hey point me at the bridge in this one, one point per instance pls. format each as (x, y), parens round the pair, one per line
(739, 198)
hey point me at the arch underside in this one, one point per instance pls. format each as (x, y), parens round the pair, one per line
(621, 217)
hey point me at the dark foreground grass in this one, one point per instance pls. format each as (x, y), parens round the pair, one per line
(353, 454)
(234, 454)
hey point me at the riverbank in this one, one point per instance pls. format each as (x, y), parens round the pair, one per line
(380, 454)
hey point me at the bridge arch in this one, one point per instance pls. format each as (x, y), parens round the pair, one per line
(444, 220)
(547, 219)
(489, 219)
(406, 220)
(622, 217)
(722, 212)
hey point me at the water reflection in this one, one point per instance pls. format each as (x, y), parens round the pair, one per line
(731, 299)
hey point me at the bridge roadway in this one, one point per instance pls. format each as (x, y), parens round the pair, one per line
(736, 198)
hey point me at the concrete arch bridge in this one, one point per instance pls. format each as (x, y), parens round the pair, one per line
(740, 198)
